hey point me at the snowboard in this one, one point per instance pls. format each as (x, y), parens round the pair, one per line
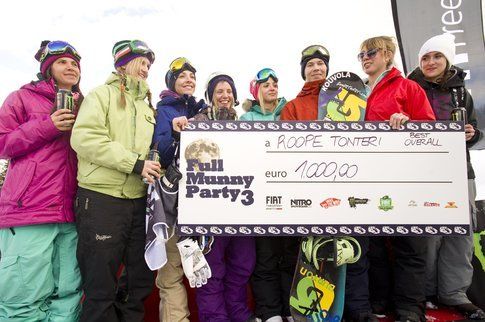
(342, 98)
(318, 293)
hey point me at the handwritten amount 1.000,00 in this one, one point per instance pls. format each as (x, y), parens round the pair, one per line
(326, 170)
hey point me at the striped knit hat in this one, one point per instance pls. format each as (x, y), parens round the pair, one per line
(125, 51)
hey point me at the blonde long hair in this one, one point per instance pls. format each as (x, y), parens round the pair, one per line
(265, 108)
(132, 68)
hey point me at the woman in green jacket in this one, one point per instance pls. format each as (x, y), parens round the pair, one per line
(112, 136)
(266, 105)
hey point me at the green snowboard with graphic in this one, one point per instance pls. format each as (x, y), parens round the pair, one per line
(342, 98)
(318, 294)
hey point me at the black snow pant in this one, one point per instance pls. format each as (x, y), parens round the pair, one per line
(276, 259)
(402, 278)
(112, 232)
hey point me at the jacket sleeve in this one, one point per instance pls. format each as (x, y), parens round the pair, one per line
(472, 119)
(90, 135)
(162, 136)
(19, 136)
(288, 112)
(418, 106)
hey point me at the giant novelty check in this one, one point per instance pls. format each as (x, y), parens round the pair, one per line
(323, 178)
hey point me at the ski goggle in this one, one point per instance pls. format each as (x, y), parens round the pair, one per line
(370, 54)
(178, 63)
(311, 50)
(58, 47)
(264, 74)
(137, 47)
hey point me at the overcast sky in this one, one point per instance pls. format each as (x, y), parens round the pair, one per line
(238, 37)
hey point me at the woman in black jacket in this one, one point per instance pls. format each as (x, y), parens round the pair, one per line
(449, 269)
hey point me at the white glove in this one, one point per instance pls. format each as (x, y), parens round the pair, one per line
(195, 266)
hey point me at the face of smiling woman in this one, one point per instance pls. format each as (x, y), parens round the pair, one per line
(223, 95)
(185, 83)
(433, 65)
(65, 72)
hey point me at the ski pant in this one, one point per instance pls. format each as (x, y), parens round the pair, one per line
(357, 281)
(449, 269)
(276, 259)
(224, 297)
(173, 296)
(407, 279)
(112, 232)
(39, 274)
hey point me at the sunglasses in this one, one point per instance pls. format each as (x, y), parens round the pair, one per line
(179, 63)
(370, 54)
(311, 50)
(264, 74)
(137, 47)
(58, 47)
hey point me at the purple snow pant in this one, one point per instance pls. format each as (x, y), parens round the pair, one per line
(224, 297)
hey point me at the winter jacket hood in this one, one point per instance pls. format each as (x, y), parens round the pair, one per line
(305, 105)
(41, 178)
(170, 106)
(255, 112)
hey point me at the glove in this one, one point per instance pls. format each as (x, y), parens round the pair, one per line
(195, 266)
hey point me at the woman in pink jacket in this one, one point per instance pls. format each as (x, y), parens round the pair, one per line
(39, 274)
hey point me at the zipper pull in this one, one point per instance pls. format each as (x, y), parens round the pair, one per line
(86, 204)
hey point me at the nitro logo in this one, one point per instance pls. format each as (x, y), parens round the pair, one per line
(200, 174)
(301, 203)
(274, 203)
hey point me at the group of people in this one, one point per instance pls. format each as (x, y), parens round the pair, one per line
(63, 240)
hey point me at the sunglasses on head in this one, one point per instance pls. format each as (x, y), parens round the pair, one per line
(370, 54)
(137, 47)
(264, 74)
(58, 47)
(311, 50)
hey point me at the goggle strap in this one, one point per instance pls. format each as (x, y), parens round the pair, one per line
(121, 53)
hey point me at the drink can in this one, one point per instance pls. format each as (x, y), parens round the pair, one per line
(458, 114)
(153, 155)
(64, 100)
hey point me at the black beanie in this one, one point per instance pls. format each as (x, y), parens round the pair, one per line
(306, 59)
(171, 77)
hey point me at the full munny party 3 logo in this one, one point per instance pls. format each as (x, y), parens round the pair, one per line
(206, 177)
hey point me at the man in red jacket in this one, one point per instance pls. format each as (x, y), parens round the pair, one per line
(314, 69)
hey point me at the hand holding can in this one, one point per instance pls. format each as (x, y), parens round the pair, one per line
(64, 100)
(151, 168)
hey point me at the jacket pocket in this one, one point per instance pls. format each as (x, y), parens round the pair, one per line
(22, 173)
(150, 119)
(10, 275)
(87, 168)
